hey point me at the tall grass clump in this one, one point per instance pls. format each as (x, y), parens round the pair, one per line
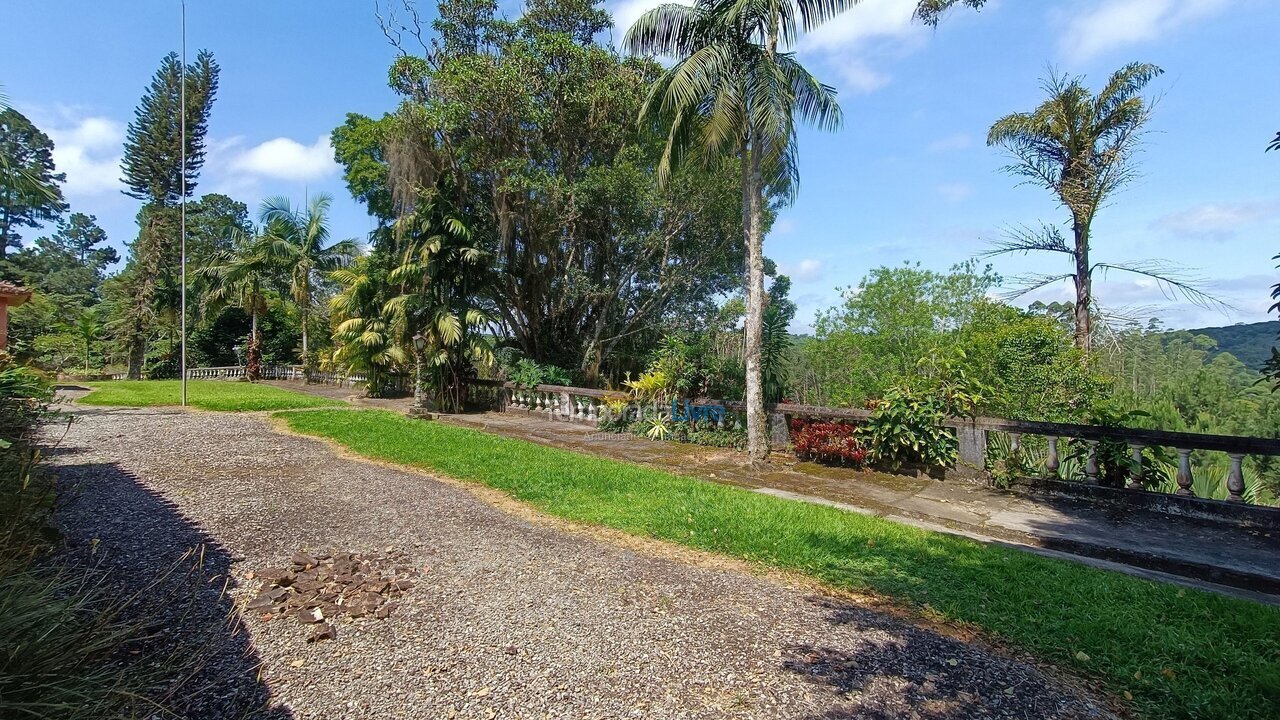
(66, 647)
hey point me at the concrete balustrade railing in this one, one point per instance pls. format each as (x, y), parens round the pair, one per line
(587, 405)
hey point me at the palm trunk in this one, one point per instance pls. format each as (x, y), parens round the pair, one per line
(1084, 288)
(305, 306)
(253, 358)
(757, 437)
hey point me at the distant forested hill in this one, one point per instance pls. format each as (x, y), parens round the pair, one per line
(1250, 343)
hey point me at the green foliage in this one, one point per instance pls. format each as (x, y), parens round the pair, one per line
(153, 147)
(875, 339)
(358, 146)
(734, 438)
(29, 192)
(535, 121)
(297, 245)
(1250, 343)
(526, 372)
(774, 347)
(441, 274)
(906, 427)
(1028, 367)
(653, 386)
(365, 326)
(1221, 652)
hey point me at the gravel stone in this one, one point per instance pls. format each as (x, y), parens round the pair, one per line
(507, 618)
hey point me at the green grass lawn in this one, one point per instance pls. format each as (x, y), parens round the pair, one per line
(226, 395)
(1179, 653)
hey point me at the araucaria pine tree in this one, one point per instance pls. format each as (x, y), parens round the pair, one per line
(153, 173)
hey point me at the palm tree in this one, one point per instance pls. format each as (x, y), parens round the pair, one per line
(87, 329)
(298, 243)
(366, 332)
(1081, 148)
(442, 269)
(732, 93)
(240, 276)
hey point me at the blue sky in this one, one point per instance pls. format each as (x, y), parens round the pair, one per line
(909, 177)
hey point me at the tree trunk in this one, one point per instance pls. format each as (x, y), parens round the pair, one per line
(757, 434)
(137, 354)
(305, 305)
(253, 358)
(1084, 287)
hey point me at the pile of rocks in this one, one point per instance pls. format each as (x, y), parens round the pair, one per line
(317, 589)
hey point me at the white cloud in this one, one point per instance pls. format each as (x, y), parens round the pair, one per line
(852, 46)
(87, 149)
(1218, 221)
(626, 12)
(1112, 24)
(857, 41)
(869, 20)
(285, 159)
(955, 192)
(807, 270)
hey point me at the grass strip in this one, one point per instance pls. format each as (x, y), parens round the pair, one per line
(1178, 653)
(222, 395)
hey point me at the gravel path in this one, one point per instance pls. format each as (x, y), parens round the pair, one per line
(511, 616)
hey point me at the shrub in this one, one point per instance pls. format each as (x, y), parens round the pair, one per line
(825, 441)
(527, 373)
(906, 427)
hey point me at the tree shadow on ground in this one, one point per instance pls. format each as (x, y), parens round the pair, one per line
(178, 577)
(899, 671)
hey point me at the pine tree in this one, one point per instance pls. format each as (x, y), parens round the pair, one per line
(23, 203)
(153, 147)
(153, 173)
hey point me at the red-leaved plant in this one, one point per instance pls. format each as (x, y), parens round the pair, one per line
(823, 441)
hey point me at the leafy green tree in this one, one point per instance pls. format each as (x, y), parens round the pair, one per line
(297, 242)
(442, 271)
(87, 329)
(215, 223)
(731, 93)
(358, 146)
(533, 118)
(1081, 147)
(154, 173)
(69, 266)
(895, 317)
(29, 193)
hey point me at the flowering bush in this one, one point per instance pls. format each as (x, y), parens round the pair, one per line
(827, 442)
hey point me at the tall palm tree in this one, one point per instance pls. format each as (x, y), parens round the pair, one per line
(733, 92)
(298, 242)
(240, 276)
(440, 274)
(1081, 147)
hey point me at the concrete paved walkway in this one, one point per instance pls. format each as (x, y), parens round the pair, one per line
(1229, 559)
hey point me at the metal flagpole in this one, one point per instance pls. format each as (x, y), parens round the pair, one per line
(182, 110)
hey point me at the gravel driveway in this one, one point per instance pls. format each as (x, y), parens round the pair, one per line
(511, 616)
